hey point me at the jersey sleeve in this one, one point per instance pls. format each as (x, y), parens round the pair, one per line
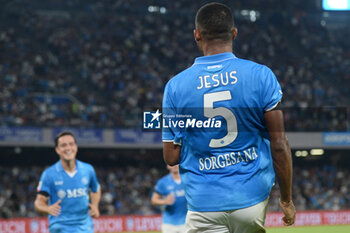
(44, 183)
(170, 133)
(271, 90)
(160, 188)
(94, 185)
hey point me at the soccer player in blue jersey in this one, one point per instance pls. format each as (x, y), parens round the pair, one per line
(224, 128)
(65, 189)
(169, 192)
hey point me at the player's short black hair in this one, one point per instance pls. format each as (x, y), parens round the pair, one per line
(64, 133)
(215, 21)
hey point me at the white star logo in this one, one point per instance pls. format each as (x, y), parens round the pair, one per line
(156, 115)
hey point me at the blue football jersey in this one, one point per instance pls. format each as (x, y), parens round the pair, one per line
(73, 192)
(173, 214)
(226, 160)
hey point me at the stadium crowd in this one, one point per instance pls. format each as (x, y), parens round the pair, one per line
(127, 189)
(82, 63)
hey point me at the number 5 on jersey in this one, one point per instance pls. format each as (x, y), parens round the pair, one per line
(210, 112)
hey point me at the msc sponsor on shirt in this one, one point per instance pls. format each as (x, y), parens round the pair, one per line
(72, 193)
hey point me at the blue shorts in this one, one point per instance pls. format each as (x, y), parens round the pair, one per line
(84, 226)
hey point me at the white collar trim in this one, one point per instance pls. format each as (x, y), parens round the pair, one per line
(72, 174)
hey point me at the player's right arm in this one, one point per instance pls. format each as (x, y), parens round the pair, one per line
(171, 136)
(282, 162)
(43, 194)
(158, 200)
(171, 153)
(41, 205)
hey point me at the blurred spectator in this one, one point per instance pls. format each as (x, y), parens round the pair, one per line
(100, 64)
(127, 190)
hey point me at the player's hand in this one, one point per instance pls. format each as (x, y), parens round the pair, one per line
(55, 209)
(94, 211)
(289, 211)
(170, 199)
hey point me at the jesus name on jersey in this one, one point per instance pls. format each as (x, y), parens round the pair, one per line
(216, 80)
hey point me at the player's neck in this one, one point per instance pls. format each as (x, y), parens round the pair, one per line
(212, 48)
(69, 165)
(176, 176)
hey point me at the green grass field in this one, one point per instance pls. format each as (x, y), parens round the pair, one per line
(311, 229)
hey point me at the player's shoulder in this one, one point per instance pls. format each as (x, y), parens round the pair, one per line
(52, 169)
(165, 179)
(180, 76)
(256, 70)
(84, 165)
(178, 81)
(254, 66)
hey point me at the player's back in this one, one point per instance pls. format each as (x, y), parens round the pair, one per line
(227, 154)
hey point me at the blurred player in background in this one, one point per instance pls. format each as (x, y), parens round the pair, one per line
(64, 189)
(169, 192)
(228, 172)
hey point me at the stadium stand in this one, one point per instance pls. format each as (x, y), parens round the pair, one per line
(81, 64)
(127, 186)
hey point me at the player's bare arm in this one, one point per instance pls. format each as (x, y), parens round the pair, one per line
(41, 206)
(282, 162)
(171, 153)
(158, 200)
(95, 200)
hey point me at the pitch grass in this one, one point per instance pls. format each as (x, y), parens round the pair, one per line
(310, 229)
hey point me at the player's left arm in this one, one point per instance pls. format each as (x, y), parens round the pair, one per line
(280, 149)
(157, 199)
(95, 194)
(171, 153)
(95, 200)
(282, 162)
